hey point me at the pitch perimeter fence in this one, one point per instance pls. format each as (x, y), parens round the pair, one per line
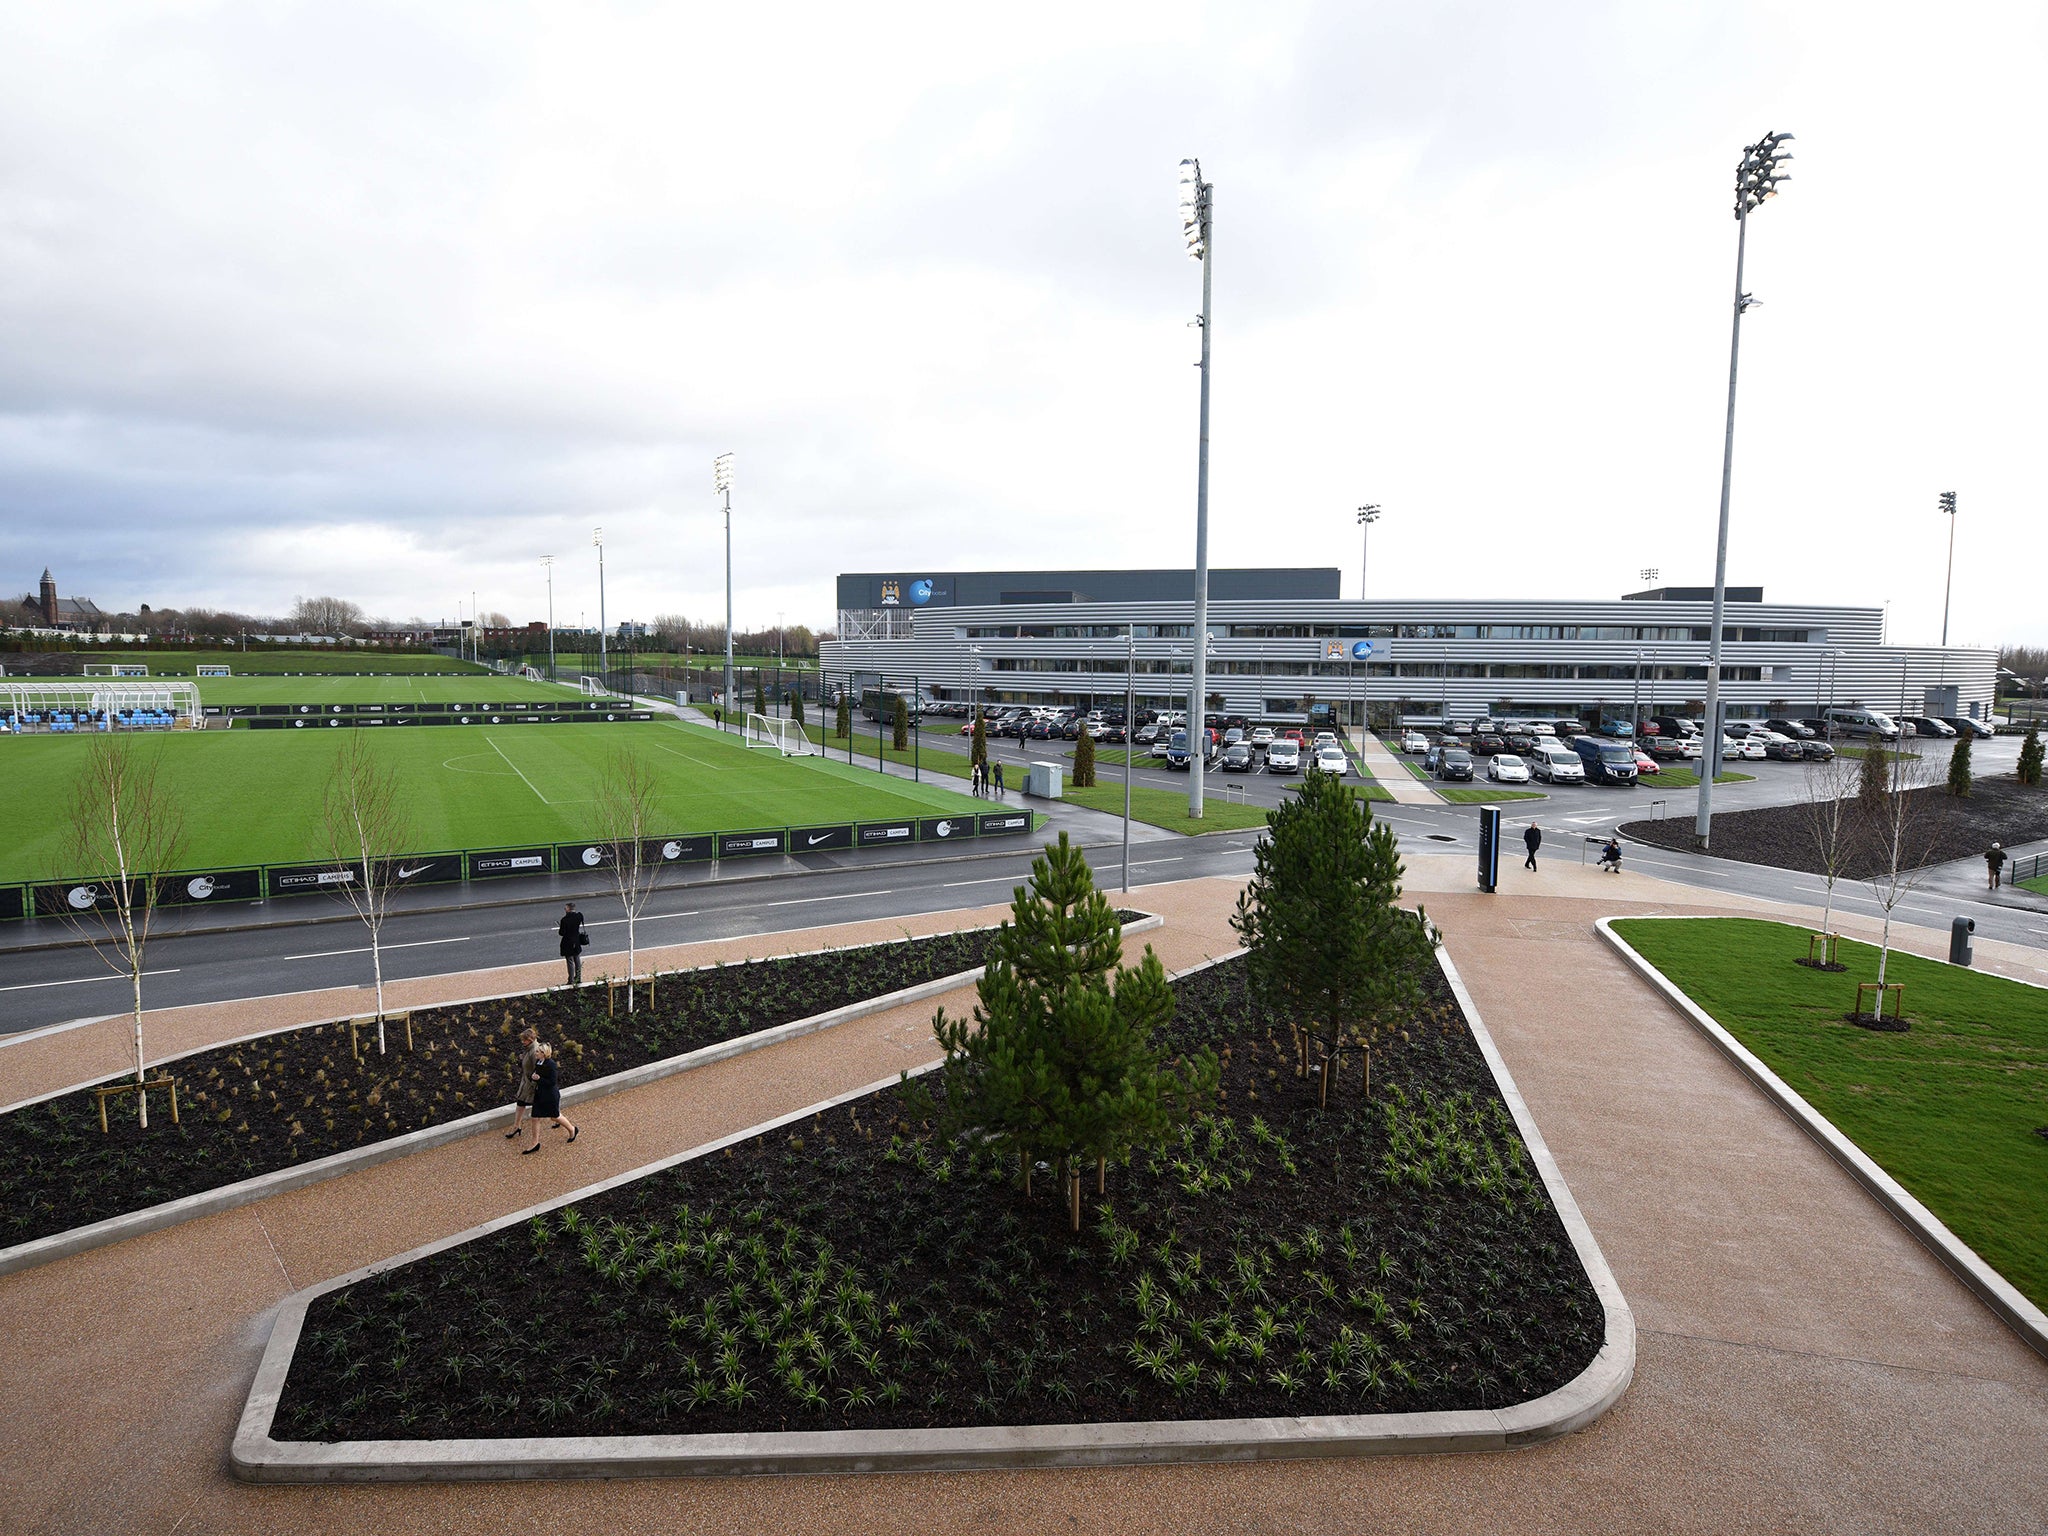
(260, 882)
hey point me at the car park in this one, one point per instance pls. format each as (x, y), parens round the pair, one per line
(1283, 757)
(1414, 741)
(1606, 761)
(1507, 768)
(1454, 763)
(1555, 763)
(1331, 759)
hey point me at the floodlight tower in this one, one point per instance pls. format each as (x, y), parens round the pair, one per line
(721, 480)
(1195, 199)
(547, 563)
(1367, 516)
(597, 538)
(1757, 179)
(1948, 508)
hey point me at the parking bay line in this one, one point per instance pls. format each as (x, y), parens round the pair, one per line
(30, 986)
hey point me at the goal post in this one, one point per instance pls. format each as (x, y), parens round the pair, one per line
(212, 670)
(592, 687)
(785, 736)
(114, 669)
(533, 674)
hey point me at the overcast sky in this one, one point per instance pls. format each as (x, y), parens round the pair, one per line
(389, 301)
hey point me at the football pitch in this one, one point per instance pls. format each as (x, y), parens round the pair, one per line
(254, 797)
(481, 688)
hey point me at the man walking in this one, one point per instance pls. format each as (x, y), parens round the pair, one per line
(573, 939)
(1995, 861)
(999, 781)
(1532, 839)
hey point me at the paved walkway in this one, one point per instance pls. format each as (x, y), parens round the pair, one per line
(1804, 1365)
(1383, 764)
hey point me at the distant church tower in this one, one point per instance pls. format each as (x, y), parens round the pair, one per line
(49, 597)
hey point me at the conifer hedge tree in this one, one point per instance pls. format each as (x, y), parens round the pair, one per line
(1874, 784)
(2029, 769)
(796, 706)
(1084, 760)
(842, 724)
(977, 748)
(1959, 768)
(1325, 943)
(1059, 1056)
(899, 723)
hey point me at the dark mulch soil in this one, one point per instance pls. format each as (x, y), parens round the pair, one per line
(846, 1272)
(289, 1098)
(2000, 810)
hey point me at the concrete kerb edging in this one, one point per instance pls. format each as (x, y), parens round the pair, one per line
(1992, 1288)
(256, 1457)
(116, 1229)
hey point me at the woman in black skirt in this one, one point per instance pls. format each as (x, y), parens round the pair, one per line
(547, 1096)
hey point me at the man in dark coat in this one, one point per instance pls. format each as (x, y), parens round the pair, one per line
(1532, 839)
(573, 940)
(1995, 862)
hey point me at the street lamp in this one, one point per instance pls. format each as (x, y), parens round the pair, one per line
(1757, 179)
(1948, 508)
(1130, 730)
(1367, 516)
(603, 678)
(1196, 196)
(1636, 704)
(721, 481)
(548, 565)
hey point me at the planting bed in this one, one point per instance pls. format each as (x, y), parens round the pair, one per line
(847, 1272)
(1998, 810)
(288, 1098)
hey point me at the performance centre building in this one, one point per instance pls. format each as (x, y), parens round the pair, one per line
(1282, 644)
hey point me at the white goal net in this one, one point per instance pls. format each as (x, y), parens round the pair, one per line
(115, 669)
(533, 674)
(591, 686)
(785, 736)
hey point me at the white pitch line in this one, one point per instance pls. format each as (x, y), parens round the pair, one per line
(325, 954)
(544, 800)
(30, 986)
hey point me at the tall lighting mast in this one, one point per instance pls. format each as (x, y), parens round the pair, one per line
(1948, 508)
(721, 480)
(1367, 516)
(548, 564)
(597, 538)
(1757, 179)
(1195, 197)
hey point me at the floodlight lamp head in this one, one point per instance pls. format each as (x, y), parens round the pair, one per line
(721, 472)
(1948, 502)
(597, 536)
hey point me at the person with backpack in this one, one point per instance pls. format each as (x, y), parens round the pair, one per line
(575, 938)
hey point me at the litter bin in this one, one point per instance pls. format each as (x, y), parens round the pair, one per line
(1959, 933)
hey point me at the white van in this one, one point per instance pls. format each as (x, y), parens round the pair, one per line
(1555, 763)
(1863, 722)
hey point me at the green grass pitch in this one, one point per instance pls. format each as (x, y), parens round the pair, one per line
(181, 663)
(482, 688)
(254, 797)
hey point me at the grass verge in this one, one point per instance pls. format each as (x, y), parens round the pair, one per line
(1950, 1108)
(1685, 778)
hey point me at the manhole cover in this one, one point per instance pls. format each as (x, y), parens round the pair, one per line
(1441, 837)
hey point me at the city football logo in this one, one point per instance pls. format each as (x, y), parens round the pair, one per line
(892, 595)
(920, 592)
(199, 889)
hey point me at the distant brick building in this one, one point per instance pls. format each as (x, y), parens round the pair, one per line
(49, 611)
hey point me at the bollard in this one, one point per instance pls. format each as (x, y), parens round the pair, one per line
(1959, 933)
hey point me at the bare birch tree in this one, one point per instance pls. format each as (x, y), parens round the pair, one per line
(1903, 835)
(368, 828)
(126, 830)
(1829, 811)
(627, 793)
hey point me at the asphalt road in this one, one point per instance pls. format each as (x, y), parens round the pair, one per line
(287, 953)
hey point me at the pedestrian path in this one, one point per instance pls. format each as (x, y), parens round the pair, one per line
(1393, 773)
(1803, 1364)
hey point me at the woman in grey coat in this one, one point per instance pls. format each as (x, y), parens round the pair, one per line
(522, 1071)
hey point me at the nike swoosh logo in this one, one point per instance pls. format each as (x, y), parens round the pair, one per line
(407, 874)
(812, 842)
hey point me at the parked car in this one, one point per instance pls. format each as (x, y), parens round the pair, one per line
(1262, 736)
(1777, 745)
(1616, 728)
(1555, 763)
(1863, 722)
(1674, 725)
(1964, 724)
(1507, 768)
(1325, 739)
(1233, 735)
(1606, 761)
(1670, 747)
(1486, 743)
(1751, 748)
(1927, 725)
(1237, 758)
(1797, 730)
(1163, 742)
(1414, 741)
(1331, 759)
(1520, 739)
(1454, 763)
(1111, 732)
(1147, 734)
(1646, 763)
(1820, 728)
(1816, 751)
(1283, 756)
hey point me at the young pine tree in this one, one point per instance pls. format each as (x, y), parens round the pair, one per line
(796, 706)
(760, 698)
(1324, 941)
(1959, 768)
(842, 724)
(1084, 760)
(1874, 784)
(899, 716)
(2029, 769)
(977, 748)
(1059, 1056)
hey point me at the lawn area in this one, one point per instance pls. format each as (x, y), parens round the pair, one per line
(254, 796)
(1482, 796)
(181, 663)
(1685, 778)
(1949, 1108)
(477, 688)
(2038, 885)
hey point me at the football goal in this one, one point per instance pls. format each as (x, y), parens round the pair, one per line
(533, 674)
(592, 687)
(115, 669)
(206, 670)
(785, 736)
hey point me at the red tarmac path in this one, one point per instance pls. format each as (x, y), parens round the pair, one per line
(1804, 1365)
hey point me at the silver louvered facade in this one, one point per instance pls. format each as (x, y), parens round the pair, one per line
(1271, 659)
